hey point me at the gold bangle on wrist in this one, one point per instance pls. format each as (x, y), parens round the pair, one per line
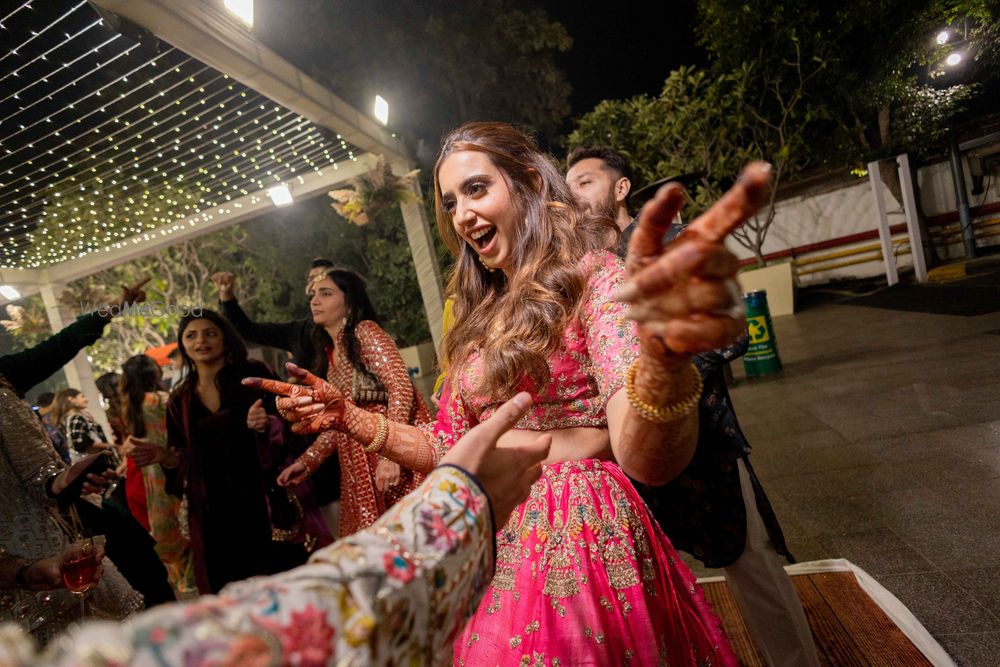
(663, 414)
(381, 435)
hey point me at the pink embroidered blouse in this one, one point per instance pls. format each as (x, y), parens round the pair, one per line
(597, 348)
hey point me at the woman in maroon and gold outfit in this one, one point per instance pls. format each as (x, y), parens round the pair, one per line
(362, 361)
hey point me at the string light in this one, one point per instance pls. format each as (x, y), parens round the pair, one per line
(109, 166)
(35, 35)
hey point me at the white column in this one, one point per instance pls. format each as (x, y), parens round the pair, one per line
(882, 222)
(912, 222)
(425, 261)
(79, 373)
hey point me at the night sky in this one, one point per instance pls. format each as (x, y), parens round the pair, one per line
(618, 52)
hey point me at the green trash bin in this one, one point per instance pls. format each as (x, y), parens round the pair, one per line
(762, 354)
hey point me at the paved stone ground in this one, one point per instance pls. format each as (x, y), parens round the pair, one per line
(880, 443)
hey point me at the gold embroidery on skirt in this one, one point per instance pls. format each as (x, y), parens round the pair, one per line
(561, 546)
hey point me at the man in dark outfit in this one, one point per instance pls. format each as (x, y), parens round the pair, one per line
(128, 544)
(295, 337)
(716, 509)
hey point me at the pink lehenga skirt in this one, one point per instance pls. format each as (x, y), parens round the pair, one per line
(585, 576)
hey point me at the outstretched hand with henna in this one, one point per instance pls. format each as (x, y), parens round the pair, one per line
(316, 406)
(313, 406)
(685, 299)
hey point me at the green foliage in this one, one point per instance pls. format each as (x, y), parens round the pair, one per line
(25, 325)
(180, 279)
(712, 125)
(880, 88)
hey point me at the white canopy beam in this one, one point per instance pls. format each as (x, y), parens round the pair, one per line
(200, 30)
(206, 221)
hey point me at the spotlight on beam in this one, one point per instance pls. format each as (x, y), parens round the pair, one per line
(942, 37)
(381, 110)
(953, 59)
(9, 292)
(241, 9)
(280, 195)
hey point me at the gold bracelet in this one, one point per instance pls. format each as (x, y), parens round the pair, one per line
(663, 414)
(381, 435)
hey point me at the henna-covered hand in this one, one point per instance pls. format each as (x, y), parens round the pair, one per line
(685, 299)
(313, 406)
(387, 475)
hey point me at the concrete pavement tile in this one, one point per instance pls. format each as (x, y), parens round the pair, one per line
(972, 649)
(968, 543)
(939, 604)
(982, 583)
(877, 552)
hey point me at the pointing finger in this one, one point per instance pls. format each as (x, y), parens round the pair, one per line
(654, 221)
(739, 203)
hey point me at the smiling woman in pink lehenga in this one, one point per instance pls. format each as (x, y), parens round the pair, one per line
(584, 576)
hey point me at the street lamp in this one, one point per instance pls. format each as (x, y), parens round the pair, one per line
(942, 37)
(953, 59)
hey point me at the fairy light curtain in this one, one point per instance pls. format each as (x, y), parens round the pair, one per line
(106, 137)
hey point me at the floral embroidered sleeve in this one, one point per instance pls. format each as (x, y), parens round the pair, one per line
(612, 341)
(395, 593)
(381, 356)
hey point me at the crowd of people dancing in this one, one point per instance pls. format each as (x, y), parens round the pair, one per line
(583, 433)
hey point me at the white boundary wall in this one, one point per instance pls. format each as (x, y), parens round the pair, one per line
(850, 210)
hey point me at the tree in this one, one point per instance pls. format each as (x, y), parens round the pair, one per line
(269, 255)
(877, 88)
(179, 282)
(712, 125)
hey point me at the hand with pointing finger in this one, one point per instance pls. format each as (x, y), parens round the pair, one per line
(684, 298)
(133, 293)
(506, 473)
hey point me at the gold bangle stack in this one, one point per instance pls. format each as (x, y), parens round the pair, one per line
(663, 414)
(381, 435)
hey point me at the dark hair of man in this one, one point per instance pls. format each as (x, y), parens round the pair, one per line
(612, 159)
(140, 376)
(45, 399)
(359, 308)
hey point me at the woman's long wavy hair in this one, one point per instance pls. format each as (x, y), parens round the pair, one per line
(359, 308)
(517, 324)
(140, 376)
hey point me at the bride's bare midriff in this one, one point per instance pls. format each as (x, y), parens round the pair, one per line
(568, 444)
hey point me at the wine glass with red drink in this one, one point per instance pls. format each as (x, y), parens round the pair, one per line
(79, 568)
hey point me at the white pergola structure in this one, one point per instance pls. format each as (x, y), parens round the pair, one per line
(171, 108)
